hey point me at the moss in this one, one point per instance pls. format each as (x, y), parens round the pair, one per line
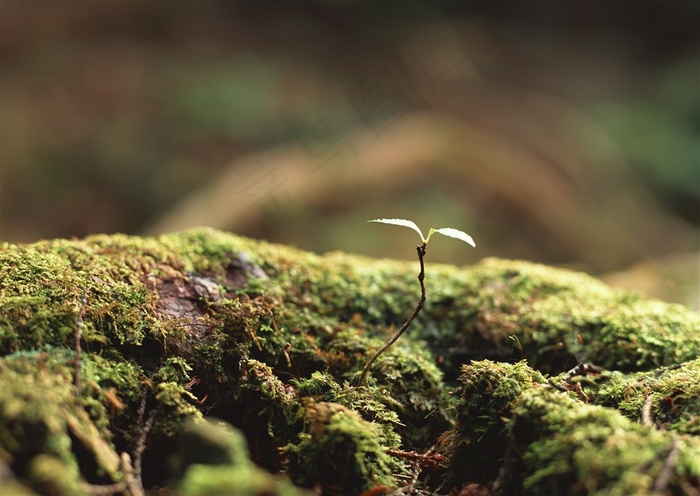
(569, 448)
(208, 322)
(213, 459)
(41, 416)
(14, 487)
(519, 435)
(210, 442)
(265, 408)
(340, 451)
(373, 404)
(43, 285)
(478, 442)
(49, 475)
(31, 421)
(407, 376)
(558, 316)
(672, 394)
(203, 480)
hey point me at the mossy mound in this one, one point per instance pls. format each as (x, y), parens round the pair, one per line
(520, 434)
(212, 459)
(112, 345)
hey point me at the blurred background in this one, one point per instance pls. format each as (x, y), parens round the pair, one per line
(566, 133)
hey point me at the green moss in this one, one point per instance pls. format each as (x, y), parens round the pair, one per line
(208, 322)
(49, 475)
(478, 442)
(30, 417)
(265, 408)
(569, 448)
(203, 480)
(40, 416)
(213, 459)
(340, 451)
(210, 442)
(522, 436)
(558, 316)
(373, 404)
(673, 394)
(412, 386)
(43, 285)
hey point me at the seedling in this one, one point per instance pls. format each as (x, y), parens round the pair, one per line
(446, 231)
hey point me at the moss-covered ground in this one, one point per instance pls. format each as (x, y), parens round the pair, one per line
(114, 349)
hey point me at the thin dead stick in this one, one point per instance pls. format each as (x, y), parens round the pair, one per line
(144, 429)
(133, 485)
(647, 421)
(662, 481)
(421, 277)
(78, 336)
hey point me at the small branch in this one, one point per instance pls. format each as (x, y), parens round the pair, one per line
(430, 460)
(582, 369)
(421, 278)
(664, 477)
(646, 412)
(140, 446)
(78, 335)
(130, 486)
(104, 490)
(556, 386)
(133, 485)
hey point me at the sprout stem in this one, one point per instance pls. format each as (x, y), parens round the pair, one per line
(421, 277)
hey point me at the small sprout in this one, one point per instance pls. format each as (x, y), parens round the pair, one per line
(446, 231)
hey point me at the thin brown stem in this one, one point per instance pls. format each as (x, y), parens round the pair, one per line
(662, 481)
(77, 337)
(421, 278)
(144, 428)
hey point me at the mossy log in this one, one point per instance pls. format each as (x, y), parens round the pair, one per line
(516, 378)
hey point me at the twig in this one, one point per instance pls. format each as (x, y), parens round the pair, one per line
(421, 277)
(664, 477)
(582, 369)
(140, 445)
(133, 484)
(418, 462)
(104, 490)
(78, 335)
(571, 385)
(428, 459)
(410, 487)
(556, 386)
(646, 412)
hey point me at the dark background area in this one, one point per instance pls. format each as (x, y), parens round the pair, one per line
(560, 132)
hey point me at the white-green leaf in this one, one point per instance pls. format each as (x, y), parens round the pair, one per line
(404, 223)
(453, 233)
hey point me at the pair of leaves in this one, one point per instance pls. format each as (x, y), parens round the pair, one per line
(445, 231)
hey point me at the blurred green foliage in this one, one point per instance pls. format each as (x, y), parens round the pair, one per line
(561, 133)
